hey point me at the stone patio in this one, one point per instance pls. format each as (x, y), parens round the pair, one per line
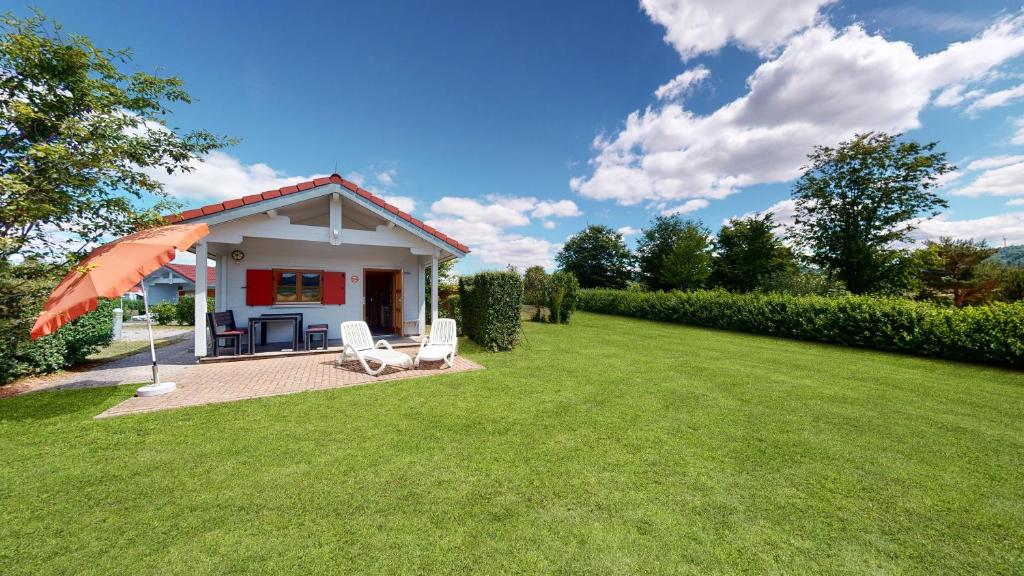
(257, 378)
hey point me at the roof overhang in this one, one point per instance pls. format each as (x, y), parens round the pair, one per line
(231, 210)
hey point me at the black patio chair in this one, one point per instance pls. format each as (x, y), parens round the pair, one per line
(222, 327)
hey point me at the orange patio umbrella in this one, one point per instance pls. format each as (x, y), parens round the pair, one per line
(110, 271)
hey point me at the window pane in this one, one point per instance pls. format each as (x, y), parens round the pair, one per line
(310, 287)
(286, 287)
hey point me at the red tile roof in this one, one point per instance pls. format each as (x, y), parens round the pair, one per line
(332, 179)
(189, 271)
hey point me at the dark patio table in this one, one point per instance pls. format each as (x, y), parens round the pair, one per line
(262, 320)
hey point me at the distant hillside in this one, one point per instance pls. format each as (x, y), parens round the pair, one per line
(1010, 255)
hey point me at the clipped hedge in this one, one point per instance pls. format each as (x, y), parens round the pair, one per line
(185, 309)
(164, 313)
(490, 303)
(69, 345)
(992, 334)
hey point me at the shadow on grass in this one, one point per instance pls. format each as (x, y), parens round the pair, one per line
(48, 405)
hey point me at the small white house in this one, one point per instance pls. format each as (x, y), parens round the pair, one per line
(173, 281)
(326, 248)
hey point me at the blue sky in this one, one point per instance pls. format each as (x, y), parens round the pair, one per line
(508, 125)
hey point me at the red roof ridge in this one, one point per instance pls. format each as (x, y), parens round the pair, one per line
(189, 271)
(291, 189)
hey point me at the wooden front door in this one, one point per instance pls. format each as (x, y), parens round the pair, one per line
(382, 309)
(396, 301)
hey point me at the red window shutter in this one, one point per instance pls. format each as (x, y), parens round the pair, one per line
(259, 287)
(334, 288)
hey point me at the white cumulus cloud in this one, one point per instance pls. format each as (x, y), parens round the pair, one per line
(682, 84)
(1005, 177)
(221, 176)
(562, 208)
(995, 230)
(694, 27)
(996, 99)
(824, 86)
(686, 207)
(403, 203)
(488, 226)
(995, 162)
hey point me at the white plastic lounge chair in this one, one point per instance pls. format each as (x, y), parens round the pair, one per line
(356, 338)
(441, 343)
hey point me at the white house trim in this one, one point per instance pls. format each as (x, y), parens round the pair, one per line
(273, 204)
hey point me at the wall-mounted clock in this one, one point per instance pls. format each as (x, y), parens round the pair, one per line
(237, 255)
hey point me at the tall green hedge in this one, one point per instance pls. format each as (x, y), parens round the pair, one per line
(991, 334)
(490, 303)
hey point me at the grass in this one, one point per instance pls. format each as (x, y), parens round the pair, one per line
(610, 445)
(123, 348)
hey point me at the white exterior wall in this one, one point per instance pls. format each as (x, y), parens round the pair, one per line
(350, 259)
(158, 290)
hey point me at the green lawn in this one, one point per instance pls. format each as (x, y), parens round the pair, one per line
(122, 348)
(607, 446)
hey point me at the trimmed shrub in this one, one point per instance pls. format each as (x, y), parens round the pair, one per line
(490, 304)
(69, 345)
(992, 334)
(185, 309)
(164, 313)
(563, 292)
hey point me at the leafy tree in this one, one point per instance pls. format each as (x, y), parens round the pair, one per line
(748, 254)
(80, 141)
(598, 258)
(535, 286)
(959, 271)
(856, 201)
(674, 254)
(803, 282)
(1011, 283)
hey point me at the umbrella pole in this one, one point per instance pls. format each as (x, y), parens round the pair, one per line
(157, 387)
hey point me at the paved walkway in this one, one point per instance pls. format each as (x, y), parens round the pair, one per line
(174, 359)
(210, 383)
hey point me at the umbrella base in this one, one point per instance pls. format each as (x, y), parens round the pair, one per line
(156, 389)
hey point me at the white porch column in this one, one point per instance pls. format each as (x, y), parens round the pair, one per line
(433, 288)
(219, 296)
(201, 275)
(421, 284)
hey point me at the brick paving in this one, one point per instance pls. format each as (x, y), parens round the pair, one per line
(209, 383)
(174, 359)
